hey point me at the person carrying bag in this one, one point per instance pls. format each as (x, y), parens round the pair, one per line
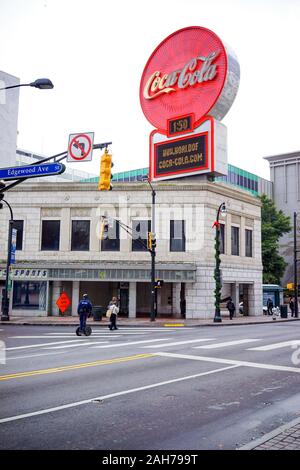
(112, 313)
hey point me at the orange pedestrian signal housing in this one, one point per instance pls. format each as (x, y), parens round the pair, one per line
(105, 172)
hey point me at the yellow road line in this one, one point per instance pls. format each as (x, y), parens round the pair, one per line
(54, 370)
(174, 324)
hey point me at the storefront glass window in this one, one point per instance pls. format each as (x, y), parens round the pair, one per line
(80, 240)
(235, 241)
(50, 235)
(18, 225)
(177, 235)
(111, 239)
(30, 295)
(140, 229)
(248, 240)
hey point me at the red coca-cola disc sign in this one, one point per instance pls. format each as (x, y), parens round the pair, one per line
(186, 74)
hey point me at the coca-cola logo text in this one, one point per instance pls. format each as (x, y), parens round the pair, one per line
(198, 70)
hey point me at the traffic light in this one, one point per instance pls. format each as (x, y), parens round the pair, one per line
(2, 186)
(153, 240)
(159, 283)
(105, 172)
(150, 240)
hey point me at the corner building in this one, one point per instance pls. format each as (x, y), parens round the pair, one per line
(59, 247)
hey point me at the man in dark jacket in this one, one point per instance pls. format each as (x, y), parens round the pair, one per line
(84, 310)
(292, 306)
(270, 306)
(231, 308)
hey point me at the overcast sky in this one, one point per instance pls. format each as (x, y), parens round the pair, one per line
(95, 51)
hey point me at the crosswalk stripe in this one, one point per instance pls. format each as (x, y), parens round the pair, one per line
(116, 345)
(178, 343)
(270, 347)
(226, 344)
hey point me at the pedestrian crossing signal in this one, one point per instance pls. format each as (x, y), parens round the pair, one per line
(105, 172)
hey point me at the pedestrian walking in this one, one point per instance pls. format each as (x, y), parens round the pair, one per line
(292, 306)
(84, 310)
(114, 309)
(231, 308)
(270, 306)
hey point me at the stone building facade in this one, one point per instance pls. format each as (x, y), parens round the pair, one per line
(59, 247)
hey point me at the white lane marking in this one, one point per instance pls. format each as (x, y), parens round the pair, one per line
(226, 344)
(229, 361)
(44, 344)
(59, 337)
(269, 347)
(129, 343)
(34, 355)
(113, 395)
(178, 343)
(76, 345)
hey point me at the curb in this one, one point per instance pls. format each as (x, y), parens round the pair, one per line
(270, 435)
(167, 324)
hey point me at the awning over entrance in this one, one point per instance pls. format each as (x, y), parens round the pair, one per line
(114, 271)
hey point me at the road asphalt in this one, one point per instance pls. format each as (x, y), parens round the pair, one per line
(148, 388)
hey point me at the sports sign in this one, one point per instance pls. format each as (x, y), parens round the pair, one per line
(190, 73)
(80, 148)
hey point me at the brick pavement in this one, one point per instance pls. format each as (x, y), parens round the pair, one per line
(286, 437)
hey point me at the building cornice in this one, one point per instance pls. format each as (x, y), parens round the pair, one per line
(213, 187)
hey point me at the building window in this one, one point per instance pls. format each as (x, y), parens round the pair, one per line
(80, 240)
(30, 295)
(19, 225)
(235, 241)
(248, 242)
(111, 239)
(222, 239)
(140, 229)
(177, 235)
(50, 235)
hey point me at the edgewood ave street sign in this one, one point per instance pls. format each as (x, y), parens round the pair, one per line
(31, 171)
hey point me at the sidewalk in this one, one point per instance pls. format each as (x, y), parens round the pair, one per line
(286, 437)
(145, 321)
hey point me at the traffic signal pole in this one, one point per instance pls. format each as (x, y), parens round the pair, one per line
(153, 255)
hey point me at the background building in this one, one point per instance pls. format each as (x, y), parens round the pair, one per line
(285, 177)
(9, 106)
(58, 246)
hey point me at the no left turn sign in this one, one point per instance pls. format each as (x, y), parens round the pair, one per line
(80, 148)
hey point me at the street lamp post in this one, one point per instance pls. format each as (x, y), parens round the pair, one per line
(217, 273)
(295, 266)
(5, 304)
(41, 83)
